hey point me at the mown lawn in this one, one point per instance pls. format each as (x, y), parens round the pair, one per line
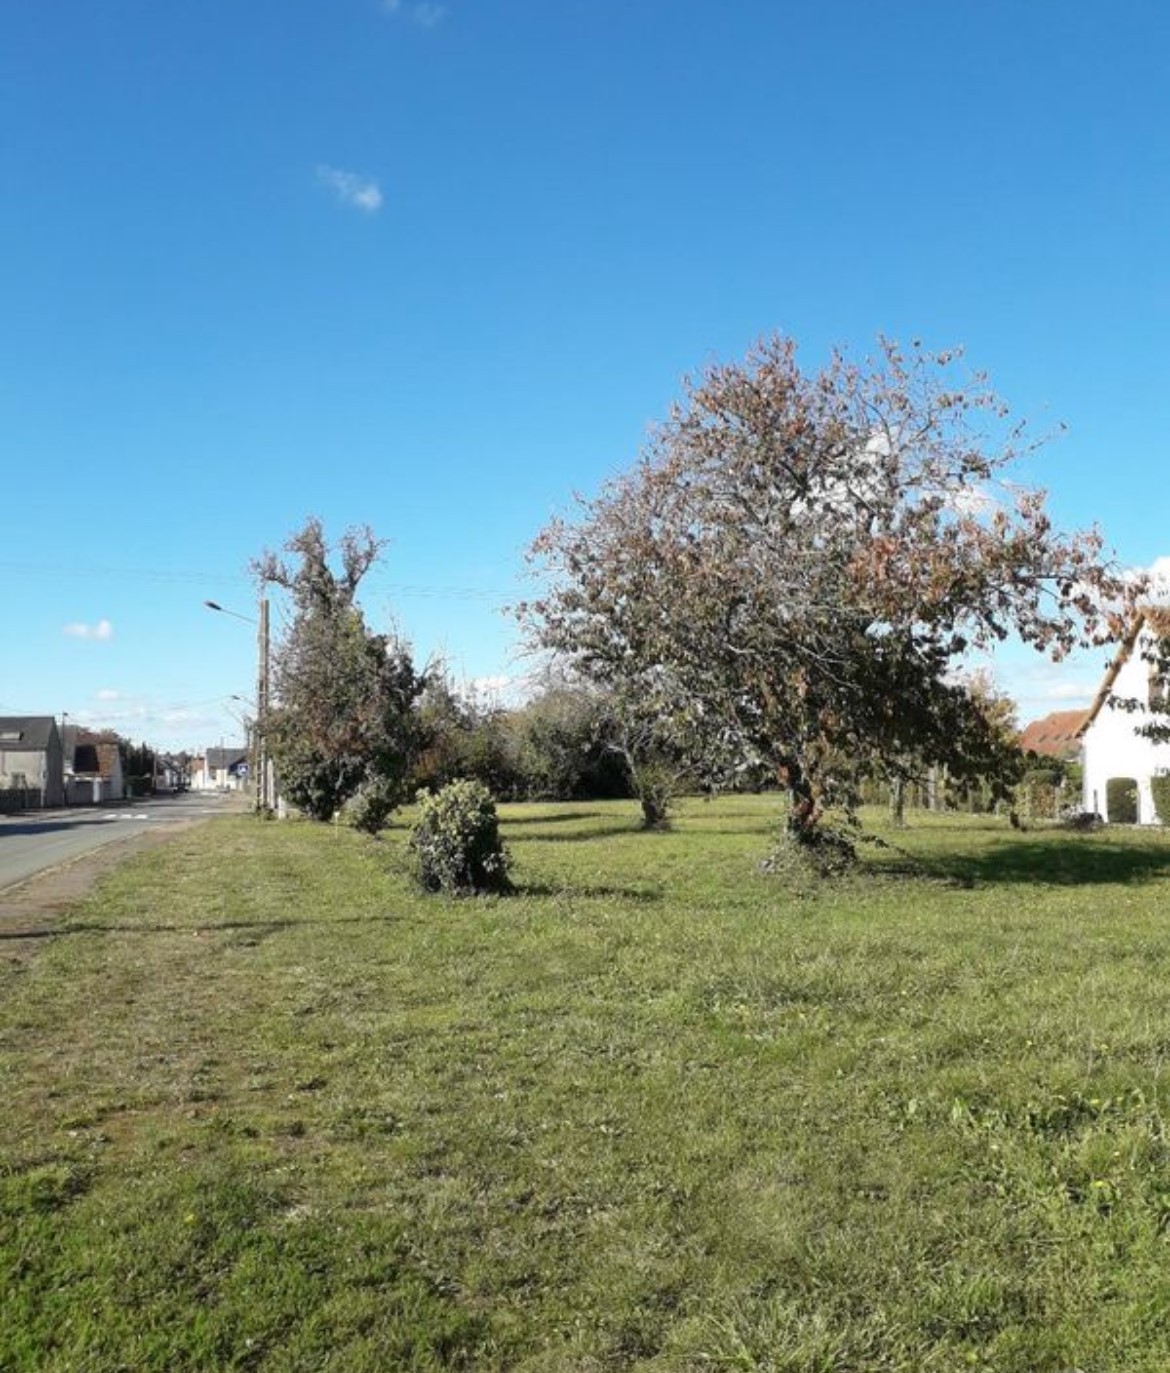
(265, 1107)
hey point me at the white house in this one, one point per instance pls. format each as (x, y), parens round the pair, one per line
(31, 769)
(1111, 743)
(220, 769)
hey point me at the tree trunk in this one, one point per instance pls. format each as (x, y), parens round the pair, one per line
(654, 811)
(898, 802)
(804, 813)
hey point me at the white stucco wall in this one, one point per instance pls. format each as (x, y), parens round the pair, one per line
(1113, 748)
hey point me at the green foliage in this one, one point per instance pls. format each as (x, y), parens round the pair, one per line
(138, 764)
(456, 841)
(1160, 786)
(1042, 777)
(344, 712)
(1121, 798)
(561, 747)
(655, 782)
(370, 808)
(807, 855)
(460, 737)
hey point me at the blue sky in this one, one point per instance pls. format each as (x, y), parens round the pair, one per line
(434, 266)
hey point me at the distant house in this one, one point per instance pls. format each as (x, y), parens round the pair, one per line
(93, 767)
(1111, 743)
(31, 767)
(173, 771)
(1056, 736)
(220, 769)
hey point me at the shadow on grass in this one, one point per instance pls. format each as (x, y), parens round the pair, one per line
(255, 927)
(588, 891)
(559, 819)
(1062, 860)
(595, 832)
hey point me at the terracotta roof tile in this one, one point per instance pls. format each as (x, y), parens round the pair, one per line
(1055, 735)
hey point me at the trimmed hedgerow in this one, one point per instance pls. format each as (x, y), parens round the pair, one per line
(456, 841)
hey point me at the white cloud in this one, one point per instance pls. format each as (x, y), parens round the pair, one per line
(424, 13)
(107, 694)
(493, 684)
(971, 500)
(362, 192)
(1072, 692)
(102, 630)
(1160, 580)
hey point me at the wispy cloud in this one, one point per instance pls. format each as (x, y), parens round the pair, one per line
(102, 630)
(424, 13)
(362, 192)
(107, 694)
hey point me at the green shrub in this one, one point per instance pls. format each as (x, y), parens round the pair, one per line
(1160, 786)
(1041, 777)
(371, 807)
(456, 840)
(1121, 799)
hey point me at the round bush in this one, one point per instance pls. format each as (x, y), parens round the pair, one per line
(370, 809)
(456, 841)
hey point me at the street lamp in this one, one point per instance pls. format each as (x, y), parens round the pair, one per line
(265, 790)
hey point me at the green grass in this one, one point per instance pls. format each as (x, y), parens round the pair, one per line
(266, 1107)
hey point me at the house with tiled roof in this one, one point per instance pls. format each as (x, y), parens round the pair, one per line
(1112, 741)
(1056, 736)
(93, 766)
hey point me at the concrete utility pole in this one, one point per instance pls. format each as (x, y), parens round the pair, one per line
(265, 800)
(265, 782)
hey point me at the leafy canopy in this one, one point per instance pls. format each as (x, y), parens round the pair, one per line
(799, 560)
(343, 717)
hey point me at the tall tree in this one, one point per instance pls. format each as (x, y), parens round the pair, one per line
(802, 559)
(343, 716)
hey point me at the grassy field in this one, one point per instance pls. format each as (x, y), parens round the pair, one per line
(265, 1107)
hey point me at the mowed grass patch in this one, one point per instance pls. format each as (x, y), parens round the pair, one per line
(267, 1107)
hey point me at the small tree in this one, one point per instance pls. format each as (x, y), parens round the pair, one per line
(344, 696)
(666, 745)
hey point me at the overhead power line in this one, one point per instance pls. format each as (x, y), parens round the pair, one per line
(64, 572)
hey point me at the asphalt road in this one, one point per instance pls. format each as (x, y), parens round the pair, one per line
(40, 839)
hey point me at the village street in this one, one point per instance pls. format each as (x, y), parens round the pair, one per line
(35, 841)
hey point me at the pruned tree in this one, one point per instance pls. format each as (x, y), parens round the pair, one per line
(666, 744)
(806, 557)
(343, 716)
